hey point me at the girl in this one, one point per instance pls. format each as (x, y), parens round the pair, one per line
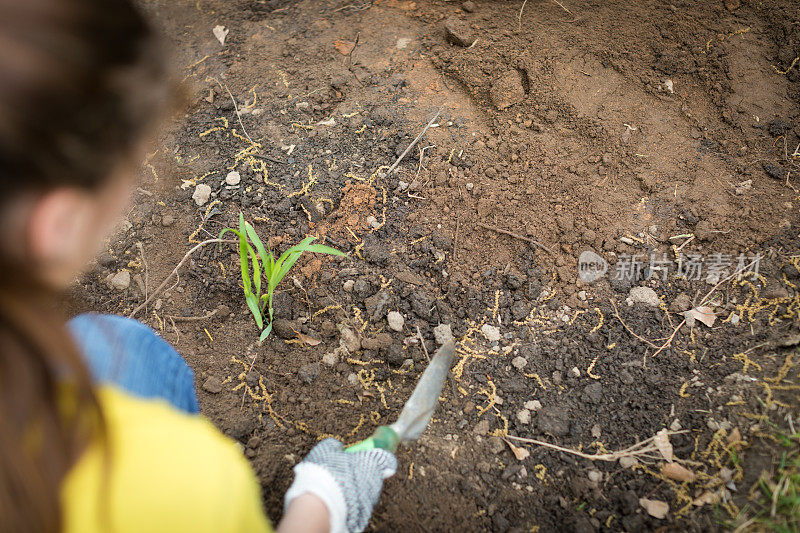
(98, 423)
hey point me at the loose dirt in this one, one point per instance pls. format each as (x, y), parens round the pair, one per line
(624, 128)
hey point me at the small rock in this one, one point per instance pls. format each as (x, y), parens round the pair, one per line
(681, 303)
(524, 416)
(533, 405)
(628, 461)
(167, 220)
(593, 393)
(395, 321)
(348, 285)
(595, 476)
(233, 178)
(492, 333)
(201, 194)
(626, 377)
(308, 373)
(507, 90)
(496, 445)
(283, 329)
(458, 32)
(554, 423)
(379, 342)
(350, 340)
(468, 6)
(644, 295)
(373, 222)
(519, 362)
(105, 259)
(575, 372)
(331, 358)
(481, 428)
(352, 379)
(213, 385)
(704, 231)
(773, 171)
(378, 305)
(395, 355)
(443, 334)
(596, 432)
(120, 281)
(732, 5)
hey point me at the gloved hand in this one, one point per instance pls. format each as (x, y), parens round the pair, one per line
(348, 483)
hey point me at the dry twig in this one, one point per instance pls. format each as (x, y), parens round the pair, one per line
(235, 107)
(175, 272)
(413, 143)
(516, 236)
(640, 448)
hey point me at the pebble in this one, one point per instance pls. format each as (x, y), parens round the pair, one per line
(380, 342)
(595, 476)
(308, 373)
(596, 432)
(330, 358)
(347, 286)
(120, 281)
(352, 379)
(628, 462)
(492, 333)
(644, 295)
(373, 222)
(524, 416)
(443, 334)
(201, 194)
(213, 385)
(395, 321)
(233, 178)
(167, 220)
(283, 329)
(519, 362)
(681, 303)
(533, 405)
(481, 428)
(575, 372)
(349, 339)
(507, 90)
(459, 32)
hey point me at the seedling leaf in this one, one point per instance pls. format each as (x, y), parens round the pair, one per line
(252, 303)
(265, 333)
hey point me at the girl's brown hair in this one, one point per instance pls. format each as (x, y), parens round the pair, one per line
(80, 83)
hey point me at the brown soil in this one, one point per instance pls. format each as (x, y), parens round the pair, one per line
(573, 124)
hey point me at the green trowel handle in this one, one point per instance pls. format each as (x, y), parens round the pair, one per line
(384, 438)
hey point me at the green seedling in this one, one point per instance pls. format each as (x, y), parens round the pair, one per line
(265, 267)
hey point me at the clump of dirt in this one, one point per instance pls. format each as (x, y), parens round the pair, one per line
(652, 135)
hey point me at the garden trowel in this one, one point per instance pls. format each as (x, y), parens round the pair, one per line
(418, 409)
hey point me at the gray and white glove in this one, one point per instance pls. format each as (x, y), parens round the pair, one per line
(348, 483)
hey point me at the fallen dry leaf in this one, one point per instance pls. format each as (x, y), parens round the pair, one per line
(661, 440)
(655, 508)
(311, 341)
(677, 472)
(220, 33)
(519, 452)
(703, 313)
(706, 498)
(735, 438)
(344, 47)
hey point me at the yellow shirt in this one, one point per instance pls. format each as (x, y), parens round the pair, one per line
(168, 472)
